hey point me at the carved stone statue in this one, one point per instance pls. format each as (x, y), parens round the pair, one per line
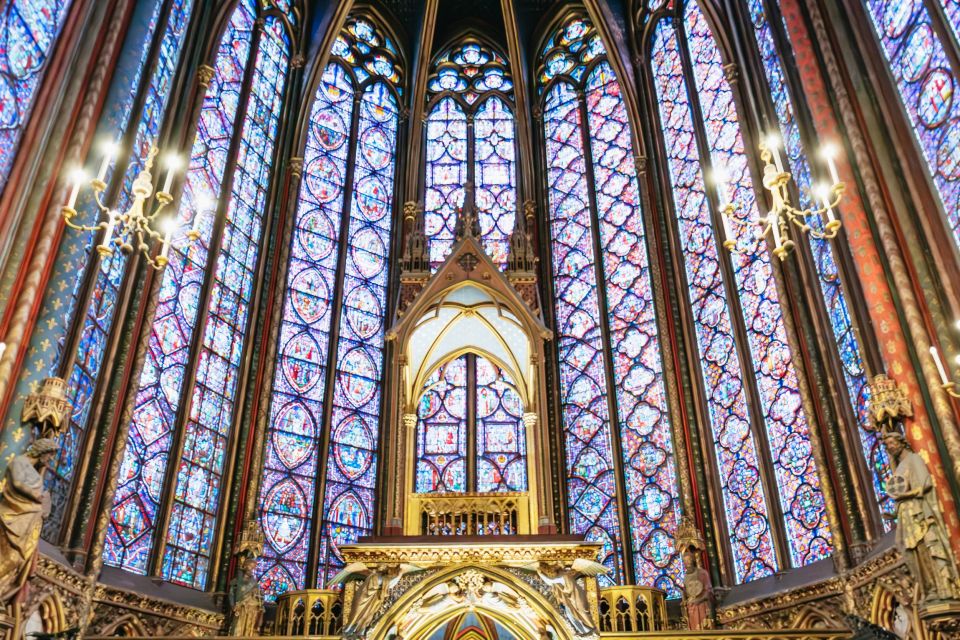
(370, 594)
(570, 594)
(23, 505)
(698, 600)
(921, 534)
(246, 600)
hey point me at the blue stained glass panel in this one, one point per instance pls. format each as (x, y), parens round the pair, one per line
(29, 30)
(349, 493)
(591, 484)
(788, 433)
(196, 501)
(287, 490)
(446, 175)
(735, 447)
(442, 431)
(926, 81)
(848, 347)
(652, 494)
(133, 519)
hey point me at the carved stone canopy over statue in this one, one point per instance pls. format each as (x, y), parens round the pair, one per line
(23, 505)
(921, 534)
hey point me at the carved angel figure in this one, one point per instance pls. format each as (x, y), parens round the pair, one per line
(565, 584)
(377, 582)
(23, 505)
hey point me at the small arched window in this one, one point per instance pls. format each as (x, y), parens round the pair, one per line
(747, 369)
(471, 137)
(176, 453)
(621, 484)
(470, 434)
(327, 383)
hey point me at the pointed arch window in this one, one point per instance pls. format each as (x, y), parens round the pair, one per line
(146, 94)
(176, 452)
(327, 382)
(470, 434)
(849, 352)
(747, 371)
(470, 137)
(30, 31)
(924, 70)
(621, 484)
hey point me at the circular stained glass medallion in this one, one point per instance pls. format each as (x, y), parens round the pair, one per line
(936, 98)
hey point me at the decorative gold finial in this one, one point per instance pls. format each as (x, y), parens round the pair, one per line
(251, 540)
(48, 407)
(888, 403)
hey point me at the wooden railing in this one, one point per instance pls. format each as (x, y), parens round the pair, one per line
(632, 609)
(468, 514)
(311, 612)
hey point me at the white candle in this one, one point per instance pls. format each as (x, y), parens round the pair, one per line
(773, 144)
(169, 225)
(822, 191)
(721, 181)
(775, 226)
(79, 177)
(727, 228)
(105, 165)
(111, 225)
(169, 181)
(936, 360)
(829, 152)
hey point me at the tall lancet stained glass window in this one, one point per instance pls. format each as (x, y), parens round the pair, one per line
(849, 351)
(750, 385)
(327, 382)
(470, 136)
(29, 31)
(611, 375)
(153, 80)
(911, 39)
(184, 410)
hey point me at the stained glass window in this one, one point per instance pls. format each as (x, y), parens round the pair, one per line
(470, 84)
(470, 399)
(29, 30)
(99, 318)
(341, 239)
(848, 348)
(926, 80)
(162, 391)
(611, 376)
(733, 372)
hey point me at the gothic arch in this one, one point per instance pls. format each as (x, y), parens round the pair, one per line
(408, 620)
